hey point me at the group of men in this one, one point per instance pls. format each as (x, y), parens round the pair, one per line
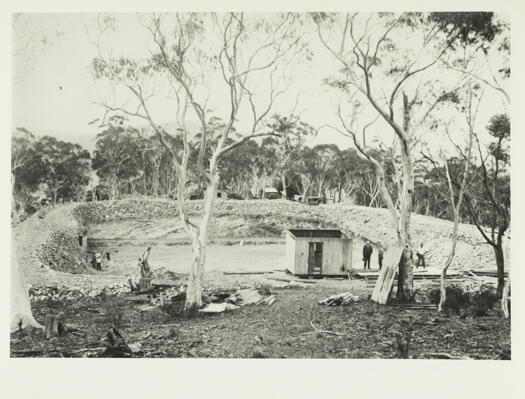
(368, 249)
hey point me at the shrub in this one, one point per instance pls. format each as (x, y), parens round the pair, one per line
(475, 303)
(482, 301)
(175, 308)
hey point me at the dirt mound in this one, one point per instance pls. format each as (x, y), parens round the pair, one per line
(472, 252)
(269, 218)
(49, 240)
(102, 211)
(61, 251)
(155, 220)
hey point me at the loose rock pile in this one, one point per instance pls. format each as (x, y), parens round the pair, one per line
(61, 251)
(63, 293)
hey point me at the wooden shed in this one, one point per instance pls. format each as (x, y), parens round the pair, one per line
(318, 252)
(271, 193)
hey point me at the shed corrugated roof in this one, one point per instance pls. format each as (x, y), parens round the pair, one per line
(320, 233)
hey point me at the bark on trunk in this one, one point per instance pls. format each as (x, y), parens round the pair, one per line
(283, 181)
(505, 299)
(21, 315)
(304, 199)
(443, 288)
(199, 244)
(500, 263)
(405, 284)
(14, 213)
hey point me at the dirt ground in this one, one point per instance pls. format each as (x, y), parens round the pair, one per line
(295, 326)
(287, 329)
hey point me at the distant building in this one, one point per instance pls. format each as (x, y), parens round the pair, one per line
(222, 194)
(271, 193)
(318, 252)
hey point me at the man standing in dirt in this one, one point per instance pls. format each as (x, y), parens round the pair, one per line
(367, 253)
(380, 256)
(98, 258)
(421, 256)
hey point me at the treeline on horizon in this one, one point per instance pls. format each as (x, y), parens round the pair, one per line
(130, 162)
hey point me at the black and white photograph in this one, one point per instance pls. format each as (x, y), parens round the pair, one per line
(261, 185)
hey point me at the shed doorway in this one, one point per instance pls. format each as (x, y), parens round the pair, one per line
(315, 258)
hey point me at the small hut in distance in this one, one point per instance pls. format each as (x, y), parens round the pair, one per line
(271, 193)
(318, 252)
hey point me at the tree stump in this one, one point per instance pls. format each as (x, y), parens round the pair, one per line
(55, 325)
(145, 272)
(116, 345)
(145, 284)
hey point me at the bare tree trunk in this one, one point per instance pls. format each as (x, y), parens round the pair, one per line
(405, 288)
(14, 213)
(304, 197)
(199, 243)
(21, 315)
(505, 299)
(443, 288)
(283, 181)
(113, 187)
(500, 263)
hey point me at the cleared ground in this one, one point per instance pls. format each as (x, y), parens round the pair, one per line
(219, 258)
(289, 328)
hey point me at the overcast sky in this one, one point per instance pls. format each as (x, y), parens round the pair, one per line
(54, 91)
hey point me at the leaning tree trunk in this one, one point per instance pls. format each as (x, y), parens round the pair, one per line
(199, 243)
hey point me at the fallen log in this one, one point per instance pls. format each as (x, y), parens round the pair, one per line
(268, 300)
(291, 281)
(446, 356)
(339, 299)
(243, 273)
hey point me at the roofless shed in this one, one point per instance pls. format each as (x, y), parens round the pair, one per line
(318, 252)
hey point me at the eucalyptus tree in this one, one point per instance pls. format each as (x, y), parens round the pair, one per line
(250, 55)
(388, 66)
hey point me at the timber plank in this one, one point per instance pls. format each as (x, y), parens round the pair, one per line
(385, 280)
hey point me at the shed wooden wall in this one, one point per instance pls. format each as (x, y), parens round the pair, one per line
(290, 252)
(337, 254)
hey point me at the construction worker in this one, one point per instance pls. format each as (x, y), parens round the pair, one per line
(98, 258)
(421, 251)
(367, 253)
(380, 256)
